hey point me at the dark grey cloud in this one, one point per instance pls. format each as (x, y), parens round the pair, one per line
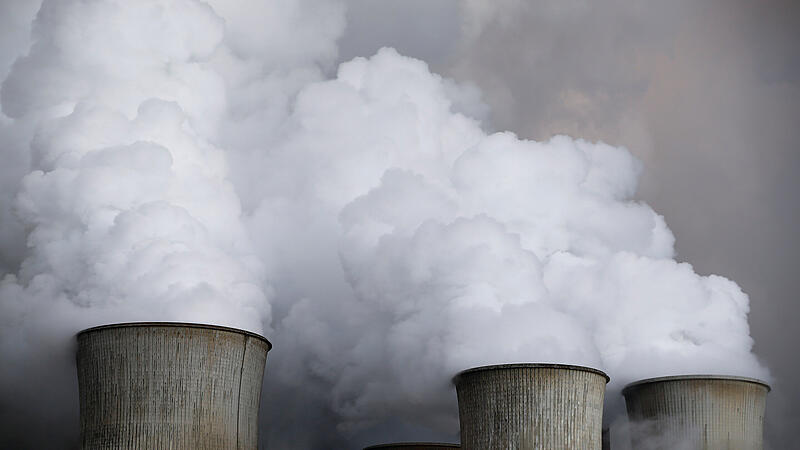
(421, 28)
(15, 22)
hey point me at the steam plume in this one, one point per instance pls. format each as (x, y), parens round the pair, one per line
(192, 162)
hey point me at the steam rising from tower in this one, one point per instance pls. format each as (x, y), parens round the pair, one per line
(170, 385)
(181, 162)
(531, 406)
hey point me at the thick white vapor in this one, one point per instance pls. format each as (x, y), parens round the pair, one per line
(191, 162)
(127, 206)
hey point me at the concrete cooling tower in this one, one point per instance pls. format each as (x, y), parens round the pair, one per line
(696, 412)
(531, 406)
(413, 446)
(169, 385)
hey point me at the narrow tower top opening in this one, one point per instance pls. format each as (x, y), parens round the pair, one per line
(646, 381)
(530, 366)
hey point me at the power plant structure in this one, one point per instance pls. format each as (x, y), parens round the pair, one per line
(700, 412)
(413, 446)
(169, 385)
(196, 386)
(531, 406)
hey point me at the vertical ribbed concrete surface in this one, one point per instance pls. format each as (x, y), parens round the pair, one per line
(169, 385)
(697, 412)
(413, 446)
(531, 406)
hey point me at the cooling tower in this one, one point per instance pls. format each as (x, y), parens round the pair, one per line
(697, 412)
(413, 446)
(531, 406)
(169, 385)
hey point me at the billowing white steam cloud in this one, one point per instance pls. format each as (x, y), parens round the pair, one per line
(190, 162)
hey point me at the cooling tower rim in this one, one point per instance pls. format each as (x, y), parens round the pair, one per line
(530, 366)
(411, 444)
(177, 325)
(631, 386)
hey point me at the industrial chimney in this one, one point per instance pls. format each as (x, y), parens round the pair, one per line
(169, 385)
(531, 406)
(697, 412)
(413, 446)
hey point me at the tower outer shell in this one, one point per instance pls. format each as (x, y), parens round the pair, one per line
(697, 412)
(531, 406)
(169, 385)
(413, 446)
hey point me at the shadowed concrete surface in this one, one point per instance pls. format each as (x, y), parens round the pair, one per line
(413, 446)
(167, 385)
(531, 406)
(697, 412)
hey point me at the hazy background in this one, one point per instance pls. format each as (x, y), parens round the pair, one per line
(706, 93)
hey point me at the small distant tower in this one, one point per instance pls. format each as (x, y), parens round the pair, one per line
(697, 412)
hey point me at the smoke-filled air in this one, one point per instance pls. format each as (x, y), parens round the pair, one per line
(208, 162)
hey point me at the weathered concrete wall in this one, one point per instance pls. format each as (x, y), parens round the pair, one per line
(413, 446)
(167, 385)
(697, 412)
(531, 406)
